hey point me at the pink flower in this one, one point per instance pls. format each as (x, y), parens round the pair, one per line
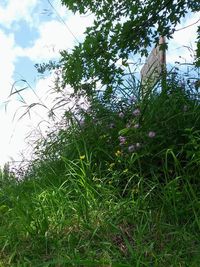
(136, 112)
(151, 134)
(122, 140)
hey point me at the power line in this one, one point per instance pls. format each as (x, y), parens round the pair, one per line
(62, 20)
(188, 26)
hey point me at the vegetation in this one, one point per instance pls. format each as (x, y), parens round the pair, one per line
(117, 183)
(119, 186)
(120, 28)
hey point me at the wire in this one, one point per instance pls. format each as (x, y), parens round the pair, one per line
(187, 26)
(62, 20)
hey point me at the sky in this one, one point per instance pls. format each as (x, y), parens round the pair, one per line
(33, 31)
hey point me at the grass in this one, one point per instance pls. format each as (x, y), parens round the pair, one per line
(89, 200)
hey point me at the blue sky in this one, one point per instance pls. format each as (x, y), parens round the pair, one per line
(32, 32)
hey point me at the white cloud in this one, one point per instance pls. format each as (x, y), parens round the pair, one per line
(16, 129)
(13, 135)
(58, 9)
(16, 10)
(55, 36)
(182, 47)
(7, 56)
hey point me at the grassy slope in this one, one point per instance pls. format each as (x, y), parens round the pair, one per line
(95, 206)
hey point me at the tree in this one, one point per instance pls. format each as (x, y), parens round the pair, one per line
(120, 27)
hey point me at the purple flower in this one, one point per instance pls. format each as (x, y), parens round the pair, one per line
(132, 99)
(122, 140)
(131, 148)
(151, 134)
(121, 114)
(136, 112)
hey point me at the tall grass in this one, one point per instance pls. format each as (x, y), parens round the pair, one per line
(118, 187)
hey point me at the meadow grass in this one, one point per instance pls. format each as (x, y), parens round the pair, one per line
(119, 189)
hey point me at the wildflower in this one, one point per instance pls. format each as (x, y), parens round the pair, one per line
(132, 99)
(136, 112)
(136, 126)
(131, 148)
(151, 134)
(122, 140)
(82, 157)
(121, 114)
(118, 153)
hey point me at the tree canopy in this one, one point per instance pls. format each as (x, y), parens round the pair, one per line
(120, 27)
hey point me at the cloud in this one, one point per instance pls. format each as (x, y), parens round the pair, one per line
(7, 67)
(9, 53)
(18, 127)
(55, 36)
(183, 45)
(16, 10)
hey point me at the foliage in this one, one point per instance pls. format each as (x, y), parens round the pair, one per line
(117, 183)
(117, 187)
(128, 129)
(119, 28)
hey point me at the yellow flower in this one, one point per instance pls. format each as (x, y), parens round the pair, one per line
(82, 157)
(118, 153)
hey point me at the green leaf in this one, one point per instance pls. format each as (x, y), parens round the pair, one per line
(124, 131)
